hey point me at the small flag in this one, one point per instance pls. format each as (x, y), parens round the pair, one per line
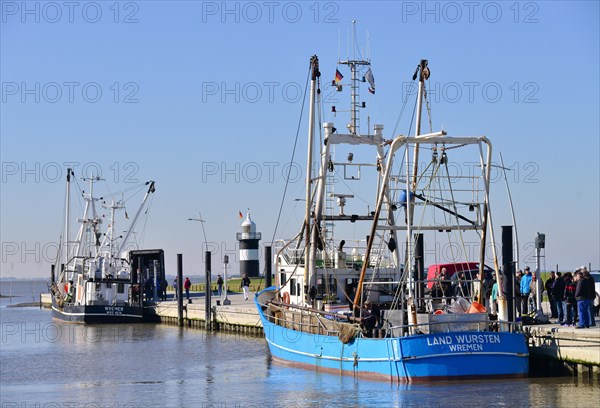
(338, 76)
(126, 216)
(241, 215)
(371, 80)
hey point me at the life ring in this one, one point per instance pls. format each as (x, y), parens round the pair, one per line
(286, 297)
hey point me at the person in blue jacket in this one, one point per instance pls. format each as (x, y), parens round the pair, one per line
(525, 290)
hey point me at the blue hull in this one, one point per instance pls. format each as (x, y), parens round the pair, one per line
(444, 356)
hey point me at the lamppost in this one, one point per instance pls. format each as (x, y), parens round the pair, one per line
(203, 231)
(201, 221)
(225, 262)
(208, 272)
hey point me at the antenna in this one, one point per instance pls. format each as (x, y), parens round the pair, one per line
(347, 44)
(355, 68)
(339, 44)
(368, 46)
(353, 39)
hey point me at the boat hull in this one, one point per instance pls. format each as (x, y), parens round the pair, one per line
(432, 357)
(98, 313)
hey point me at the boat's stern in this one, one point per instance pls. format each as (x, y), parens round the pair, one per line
(462, 354)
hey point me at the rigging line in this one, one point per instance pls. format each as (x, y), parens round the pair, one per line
(413, 117)
(79, 191)
(460, 234)
(428, 110)
(356, 45)
(142, 187)
(410, 90)
(140, 240)
(423, 175)
(137, 187)
(297, 263)
(445, 217)
(287, 179)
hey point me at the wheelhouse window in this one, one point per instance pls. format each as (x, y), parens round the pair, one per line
(293, 289)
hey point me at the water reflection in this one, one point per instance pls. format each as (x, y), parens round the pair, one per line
(44, 361)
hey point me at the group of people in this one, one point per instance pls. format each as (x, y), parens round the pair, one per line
(187, 284)
(525, 291)
(459, 285)
(571, 297)
(161, 289)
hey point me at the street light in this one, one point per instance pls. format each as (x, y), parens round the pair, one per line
(203, 231)
(225, 262)
(208, 271)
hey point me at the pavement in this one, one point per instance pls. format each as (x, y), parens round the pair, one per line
(236, 299)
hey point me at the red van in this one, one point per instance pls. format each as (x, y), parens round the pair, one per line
(470, 269)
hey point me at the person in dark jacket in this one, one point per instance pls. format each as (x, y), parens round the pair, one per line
(460, 285)
(548, 286)
(517, 282)
(245, 286)
(582, 295)
(570, 301)
(558, 293)
(591, 294)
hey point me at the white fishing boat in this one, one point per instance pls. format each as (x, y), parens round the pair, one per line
(363, 307)
(96, 282)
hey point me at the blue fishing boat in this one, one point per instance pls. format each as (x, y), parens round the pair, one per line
(349, 297)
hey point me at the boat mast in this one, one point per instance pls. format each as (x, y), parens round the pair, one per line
(67, 223)
(80, 245)
(423, 72)
(354, 64)
(309, 258)
(353, 127)
(486, 169)
(111, 231)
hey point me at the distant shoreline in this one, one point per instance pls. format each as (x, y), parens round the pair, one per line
(26, 304)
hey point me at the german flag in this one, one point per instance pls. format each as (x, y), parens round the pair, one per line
(338, 76)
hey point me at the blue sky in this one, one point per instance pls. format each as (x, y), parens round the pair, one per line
(204, 98)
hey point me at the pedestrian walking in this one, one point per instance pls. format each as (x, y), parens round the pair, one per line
(245, 285)
(187, 284)
(220, 285)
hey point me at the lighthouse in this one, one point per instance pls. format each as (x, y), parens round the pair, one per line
(248, 240)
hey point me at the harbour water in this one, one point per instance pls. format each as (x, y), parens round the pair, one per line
(49, 364)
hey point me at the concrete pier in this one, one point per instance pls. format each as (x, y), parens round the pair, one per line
(240, 316)
(577, 349)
